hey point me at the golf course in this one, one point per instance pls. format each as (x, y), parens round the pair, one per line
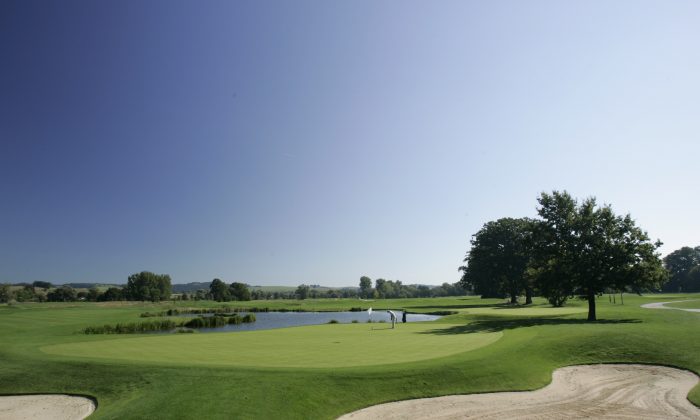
(325, 371)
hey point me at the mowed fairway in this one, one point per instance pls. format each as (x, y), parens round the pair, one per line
(319, 346)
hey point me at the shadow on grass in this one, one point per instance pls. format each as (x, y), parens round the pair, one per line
(495, 325)
(481, 305)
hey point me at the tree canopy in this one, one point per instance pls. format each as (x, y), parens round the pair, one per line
(583, 249)
(219, 291)
(497, 262)
(239, 291)
(366, 287)
(573, 249)
(148, 286)
(683, 266)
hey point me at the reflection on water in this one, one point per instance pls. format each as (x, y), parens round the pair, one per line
(270, 320)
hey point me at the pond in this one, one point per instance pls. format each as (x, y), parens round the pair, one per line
(271, 320)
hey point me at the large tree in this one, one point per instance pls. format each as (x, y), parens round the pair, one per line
(497, 261)
(582, 249)
(679, 264)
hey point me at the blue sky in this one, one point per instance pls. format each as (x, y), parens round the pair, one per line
(316, 142)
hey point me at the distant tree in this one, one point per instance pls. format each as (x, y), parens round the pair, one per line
(302, 291)
(580, 250)
(112, 294)
(93, 294)
(679, 264)
(62, 294)
(42, 285)
(365, 287)
(239, 291)
(26, 294)
(148, 286)
(497, 261)
(380, 285)
(219, 291)
(423, 291)
(694, 279)
(6, 294)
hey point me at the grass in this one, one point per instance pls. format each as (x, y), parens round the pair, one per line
(320, 346)
(690, 304)
(290, 376)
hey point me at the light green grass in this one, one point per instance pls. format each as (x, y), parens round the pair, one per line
(319, 346)
(690, 304)
(144, 386)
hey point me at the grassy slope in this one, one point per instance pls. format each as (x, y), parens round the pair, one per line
(530, 349)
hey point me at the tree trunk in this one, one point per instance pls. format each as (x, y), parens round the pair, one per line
(622, 300)
(513, 298)
(591, 307)
(528, 296)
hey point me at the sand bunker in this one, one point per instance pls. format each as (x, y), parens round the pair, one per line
(662, 305)
(45, 407)
(591, 391)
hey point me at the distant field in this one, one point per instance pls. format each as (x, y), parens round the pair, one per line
(327, 370)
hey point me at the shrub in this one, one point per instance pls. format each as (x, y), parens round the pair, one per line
(333, 321)
(132, 327)
(248, 318)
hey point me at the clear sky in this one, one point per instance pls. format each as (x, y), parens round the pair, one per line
(289, 142)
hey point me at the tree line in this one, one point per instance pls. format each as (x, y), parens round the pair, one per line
(388, 289)
(683, 267)
(574, 249)
(143, 286)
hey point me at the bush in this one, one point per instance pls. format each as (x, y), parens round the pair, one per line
(333, 321)
(132, 327)
(354, 321)
(248, 318)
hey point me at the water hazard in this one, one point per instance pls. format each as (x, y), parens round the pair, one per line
(271, 320)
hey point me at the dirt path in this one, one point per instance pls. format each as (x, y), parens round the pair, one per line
(590, 391)
(45, 407)
(662, 305)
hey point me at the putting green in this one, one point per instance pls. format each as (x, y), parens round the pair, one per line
(319, 346)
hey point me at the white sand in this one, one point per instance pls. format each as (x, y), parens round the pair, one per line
(591, 391)
(662, 305)
(45, 407)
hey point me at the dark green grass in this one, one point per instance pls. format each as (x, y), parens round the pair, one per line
(530, 349)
